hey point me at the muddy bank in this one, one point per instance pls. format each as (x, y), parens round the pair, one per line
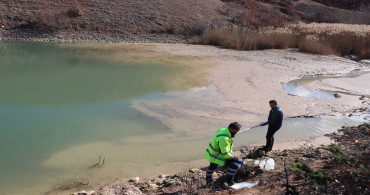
(341, 167)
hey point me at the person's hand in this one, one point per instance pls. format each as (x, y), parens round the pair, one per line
(262, 124)
(241, 162)
(234, 159)
(237, 160)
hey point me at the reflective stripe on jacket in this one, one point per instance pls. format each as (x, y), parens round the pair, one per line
(220, 148)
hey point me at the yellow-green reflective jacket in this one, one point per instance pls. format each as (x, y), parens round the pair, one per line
(220, 148)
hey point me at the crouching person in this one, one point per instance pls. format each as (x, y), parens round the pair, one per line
(219, 153)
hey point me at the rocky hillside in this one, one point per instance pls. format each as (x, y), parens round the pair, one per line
(156, 20)
(115, 18)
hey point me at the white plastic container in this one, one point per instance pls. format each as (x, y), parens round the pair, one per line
(270, 164)
(262, 165)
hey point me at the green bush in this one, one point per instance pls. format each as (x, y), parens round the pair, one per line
(303, 171)
(342, 157)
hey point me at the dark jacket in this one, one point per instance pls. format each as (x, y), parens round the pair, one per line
(275, 119)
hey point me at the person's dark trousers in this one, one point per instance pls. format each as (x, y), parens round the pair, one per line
(209, 175)
(232, 169)
(270, 138)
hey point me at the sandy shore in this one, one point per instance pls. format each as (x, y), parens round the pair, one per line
(244, 82)
(250, 79)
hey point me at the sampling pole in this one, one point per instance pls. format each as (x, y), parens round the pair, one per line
(247, 129)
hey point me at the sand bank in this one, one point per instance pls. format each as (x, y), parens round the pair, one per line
(249, 79)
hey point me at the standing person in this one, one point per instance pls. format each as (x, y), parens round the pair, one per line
(219, 153)
(275, 120)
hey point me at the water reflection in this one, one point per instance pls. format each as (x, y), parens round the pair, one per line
(296, 87)
(40, 74)
(292, 88)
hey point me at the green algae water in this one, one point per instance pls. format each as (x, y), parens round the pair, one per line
(63, 107)
(53, 98)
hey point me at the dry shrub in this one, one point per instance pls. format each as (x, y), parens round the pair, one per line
(75, 10)
(195, 29)
(263, 18)
(247, 39)
(315, 47)
(260, 13)
(171, 29)
(337, 39)
(327, 39)
(54, 20)
(50, 21)
(251, 4)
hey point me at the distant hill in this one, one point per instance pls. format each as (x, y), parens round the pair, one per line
(359, 5)
(181, 18)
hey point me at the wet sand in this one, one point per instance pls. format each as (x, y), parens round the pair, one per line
(353, 86)
(244, 82)
(249, 79)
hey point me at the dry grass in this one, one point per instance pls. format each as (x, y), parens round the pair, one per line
(55, 19)
(318, 38)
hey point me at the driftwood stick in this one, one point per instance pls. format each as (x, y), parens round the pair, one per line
(83, 183)
(99, 157)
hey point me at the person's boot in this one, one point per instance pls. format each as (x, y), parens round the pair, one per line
(228, 183)
(209, 182)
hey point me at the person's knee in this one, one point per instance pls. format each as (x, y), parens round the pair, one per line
(235, 165)
(232, 165)
(213, 166)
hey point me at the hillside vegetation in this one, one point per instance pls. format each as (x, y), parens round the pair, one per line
(239, 24)
(182, 18)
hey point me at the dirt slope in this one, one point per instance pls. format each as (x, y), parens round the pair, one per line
(114, 17)
(154, 20)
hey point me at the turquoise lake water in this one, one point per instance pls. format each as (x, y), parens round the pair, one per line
(54, 97)
(61, 106)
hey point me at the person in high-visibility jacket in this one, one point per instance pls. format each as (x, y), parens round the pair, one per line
(219, 153)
